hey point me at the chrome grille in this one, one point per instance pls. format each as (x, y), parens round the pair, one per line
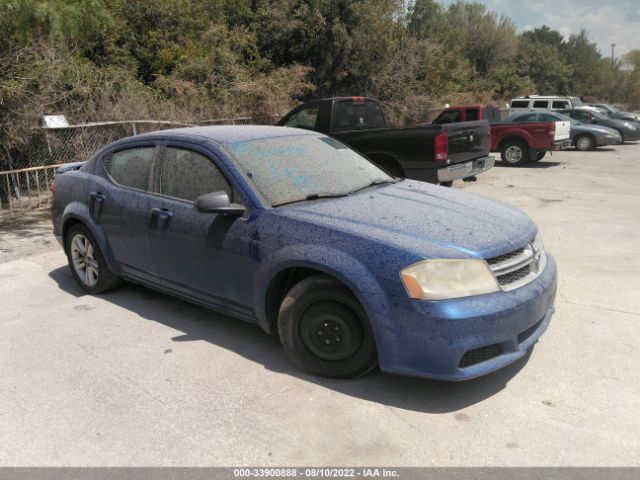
(519, 267)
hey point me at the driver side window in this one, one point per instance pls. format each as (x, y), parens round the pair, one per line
(186, 175)
(305, 118)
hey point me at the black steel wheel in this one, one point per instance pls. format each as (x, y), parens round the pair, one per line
(324, 329)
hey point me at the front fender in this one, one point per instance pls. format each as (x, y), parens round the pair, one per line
(78, 211)
(340, 265)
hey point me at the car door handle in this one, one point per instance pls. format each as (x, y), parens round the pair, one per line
(161, 212)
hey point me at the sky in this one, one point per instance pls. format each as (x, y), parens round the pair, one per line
(606, 21)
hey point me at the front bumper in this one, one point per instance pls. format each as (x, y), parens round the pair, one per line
(632, 135)
(466, 169)
(430, 338)
(608, 140)
(561, 144)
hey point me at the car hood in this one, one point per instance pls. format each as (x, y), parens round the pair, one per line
(428, 220)
(595, 129)
(617, 124)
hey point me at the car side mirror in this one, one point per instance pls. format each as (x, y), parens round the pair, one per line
(218, 202)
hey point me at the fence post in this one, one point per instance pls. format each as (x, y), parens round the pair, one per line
(134, 129)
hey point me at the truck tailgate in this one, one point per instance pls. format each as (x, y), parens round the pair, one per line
(468, 140)
(563, 130)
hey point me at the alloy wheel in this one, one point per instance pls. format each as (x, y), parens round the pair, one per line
(84, 260)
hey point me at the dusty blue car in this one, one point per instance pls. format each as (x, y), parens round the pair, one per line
(293, 230)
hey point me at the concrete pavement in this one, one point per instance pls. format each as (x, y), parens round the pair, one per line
(134, 377)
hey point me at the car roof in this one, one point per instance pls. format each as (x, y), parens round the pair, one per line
(225, 134)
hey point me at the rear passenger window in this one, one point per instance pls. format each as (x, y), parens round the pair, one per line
(532, 117)
(560, 104)
(520, 104)
(450, 116)
(187, 175)
(130, 168)
(305, 118)
(541, 104)
(472, 114)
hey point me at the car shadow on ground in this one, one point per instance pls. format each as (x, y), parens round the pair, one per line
(532, 165)
(250, 341)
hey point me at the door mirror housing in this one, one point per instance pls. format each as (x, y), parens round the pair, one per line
(218, 202)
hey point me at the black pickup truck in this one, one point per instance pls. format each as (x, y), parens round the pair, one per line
(431, 153)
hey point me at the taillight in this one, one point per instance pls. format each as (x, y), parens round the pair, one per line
(441, 150)
(552, 129)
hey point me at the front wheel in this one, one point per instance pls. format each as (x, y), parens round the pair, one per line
(514, 153)
(446, 184)
(86, 261)
(585, 143)
(324, 329)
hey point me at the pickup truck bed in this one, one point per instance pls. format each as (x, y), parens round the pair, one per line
(432, 153)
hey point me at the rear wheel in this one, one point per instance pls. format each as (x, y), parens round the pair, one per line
(514, 153)
(585, 142)
(86, 261)
(324, 329)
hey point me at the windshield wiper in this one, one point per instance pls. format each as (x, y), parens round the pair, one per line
(311, 196)
(376, 182)
(316, 196)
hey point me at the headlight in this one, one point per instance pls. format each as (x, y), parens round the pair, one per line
(627, 125)
(440, 279)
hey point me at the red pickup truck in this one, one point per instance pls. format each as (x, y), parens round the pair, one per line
(517, 142)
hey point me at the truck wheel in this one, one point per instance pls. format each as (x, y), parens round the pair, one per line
(446, 184)
(514, 153)
(324, 329)
(86, 261)
(584, 143)
(539, 156)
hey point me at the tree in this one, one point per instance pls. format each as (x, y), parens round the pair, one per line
(486, 38)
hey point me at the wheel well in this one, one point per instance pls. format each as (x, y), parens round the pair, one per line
(278, 288)
(67, 226)
(388, 163)
(512, 139)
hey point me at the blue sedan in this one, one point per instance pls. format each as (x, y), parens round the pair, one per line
(293, 230)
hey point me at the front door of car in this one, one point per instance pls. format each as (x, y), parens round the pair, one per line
(203, 255)
(120, 201)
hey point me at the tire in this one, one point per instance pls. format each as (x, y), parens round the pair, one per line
(539, 156)
(96, 279)
(585, 143)
(324, 329)
(514, 153)
(446, 184)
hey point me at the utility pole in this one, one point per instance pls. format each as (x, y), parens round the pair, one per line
(613, 58)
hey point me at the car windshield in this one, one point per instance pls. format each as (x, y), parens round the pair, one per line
(304, 167)
(575, 101)
(598, 115)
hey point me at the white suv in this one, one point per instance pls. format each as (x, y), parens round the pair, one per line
(535, 103)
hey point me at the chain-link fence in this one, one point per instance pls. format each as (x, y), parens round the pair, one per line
(26, 174)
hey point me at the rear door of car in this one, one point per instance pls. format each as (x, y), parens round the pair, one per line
(120, 202)
(206, 256)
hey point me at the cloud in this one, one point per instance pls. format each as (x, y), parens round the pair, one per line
(615, 21)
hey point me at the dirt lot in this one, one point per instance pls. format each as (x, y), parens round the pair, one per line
(138, 378)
